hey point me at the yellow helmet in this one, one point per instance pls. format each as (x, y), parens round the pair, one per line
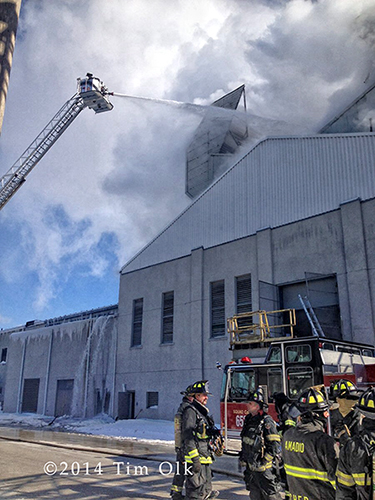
(312, 400)
(343, 389)
(366, 402)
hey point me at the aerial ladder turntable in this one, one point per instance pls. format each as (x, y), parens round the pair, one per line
(91, 93)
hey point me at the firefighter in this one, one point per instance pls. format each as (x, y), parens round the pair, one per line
(345, 417)
(196, 438)
(260, 446)
(287, 414)
(355, 470)
(179, 477)
(308, 451)
(286, 410)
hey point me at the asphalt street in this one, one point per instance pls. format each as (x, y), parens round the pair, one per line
(39, 465)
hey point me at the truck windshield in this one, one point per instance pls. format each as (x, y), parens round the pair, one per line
(299, 378)
(241, 384)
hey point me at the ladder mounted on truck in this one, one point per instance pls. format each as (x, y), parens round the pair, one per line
(261, 326)
(311, 316)
(90, 93)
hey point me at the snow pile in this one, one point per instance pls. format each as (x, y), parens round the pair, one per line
(142, 429)
(24, 420)
(101, 425)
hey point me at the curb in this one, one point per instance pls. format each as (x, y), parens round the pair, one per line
(114, 450)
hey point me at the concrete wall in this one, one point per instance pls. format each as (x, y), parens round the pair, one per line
(61, 352)
(340, 242)
(4, 344)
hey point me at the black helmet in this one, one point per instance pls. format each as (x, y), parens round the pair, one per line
(281, 400)
(199, 387)
(344, 389)
(187, 391)
(312, 400)
(258, 397)
(366, 403)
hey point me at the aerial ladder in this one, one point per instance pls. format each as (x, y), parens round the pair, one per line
(91, 93)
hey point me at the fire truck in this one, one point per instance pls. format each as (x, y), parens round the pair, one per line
(266, 353)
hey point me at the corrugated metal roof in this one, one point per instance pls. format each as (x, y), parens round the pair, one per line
(281, 180)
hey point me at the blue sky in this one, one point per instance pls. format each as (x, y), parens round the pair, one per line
(114, 180)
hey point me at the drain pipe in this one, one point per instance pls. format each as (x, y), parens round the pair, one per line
(202, 317)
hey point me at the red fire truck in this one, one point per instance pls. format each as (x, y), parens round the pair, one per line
(266, 353)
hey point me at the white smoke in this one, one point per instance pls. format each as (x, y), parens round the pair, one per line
(114, 180)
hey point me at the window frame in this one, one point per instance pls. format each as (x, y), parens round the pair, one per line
(216, 310)
(149, 402)
(274, 369)
(136, 336)
(290, 347)
(301, 369)
(245, 305)
(4, 355)
(167, 317)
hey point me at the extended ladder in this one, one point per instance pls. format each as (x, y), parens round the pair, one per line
(91, 93)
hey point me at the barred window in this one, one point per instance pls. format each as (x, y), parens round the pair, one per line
(137, 322)
(152, 399)
(243, 298)
(243, 294)
(167, 319)
(218, 320)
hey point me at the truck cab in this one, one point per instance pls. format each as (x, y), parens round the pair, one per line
(271, 357)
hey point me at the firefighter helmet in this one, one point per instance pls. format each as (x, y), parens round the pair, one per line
(366, 403)
(258, 397)
(344, 389)
(281, 401)
(200, 387)
(187, 391)
(312, 400)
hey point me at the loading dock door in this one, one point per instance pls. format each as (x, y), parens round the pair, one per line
(30, 395)
(64, 396)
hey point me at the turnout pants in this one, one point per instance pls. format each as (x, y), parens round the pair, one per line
(262, 485)
(179, 477)
(198, 485)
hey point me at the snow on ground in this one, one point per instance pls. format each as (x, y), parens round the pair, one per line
(101, 425)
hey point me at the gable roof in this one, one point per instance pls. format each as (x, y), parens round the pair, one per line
(279, 181)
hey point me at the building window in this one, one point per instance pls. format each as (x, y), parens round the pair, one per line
(137, 322)
(152, 400)
(4, 353)
(167, 320)
(243, 294)
(218, 320)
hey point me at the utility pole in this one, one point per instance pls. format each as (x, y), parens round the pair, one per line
(9, 15)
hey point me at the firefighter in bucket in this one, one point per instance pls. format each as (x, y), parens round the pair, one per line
(260, 449)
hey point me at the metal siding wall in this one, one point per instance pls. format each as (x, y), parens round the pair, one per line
(279, 181)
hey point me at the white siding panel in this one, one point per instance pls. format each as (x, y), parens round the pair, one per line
(281, 180)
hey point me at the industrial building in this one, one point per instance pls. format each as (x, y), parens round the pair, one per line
(62, 366)
(294, 216)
